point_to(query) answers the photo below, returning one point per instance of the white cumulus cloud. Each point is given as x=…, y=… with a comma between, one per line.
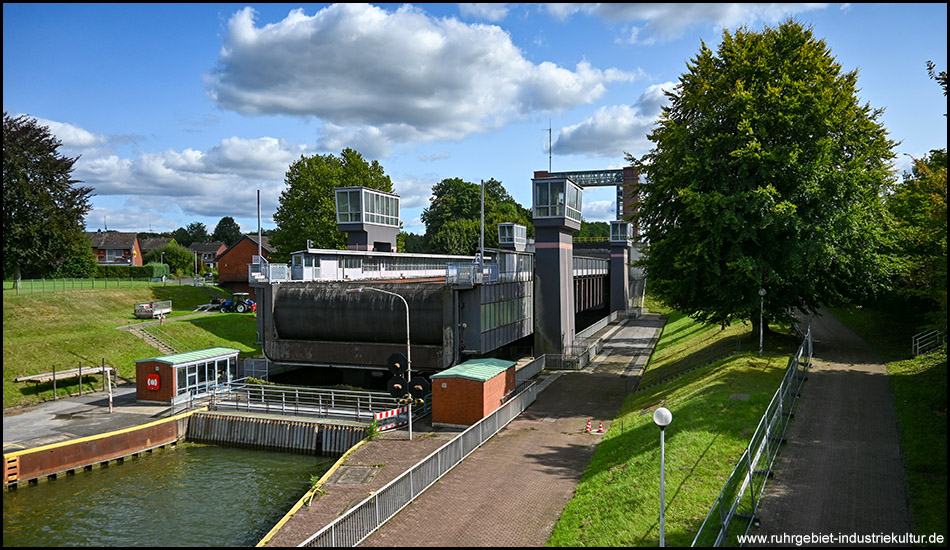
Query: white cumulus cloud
x=72, y=137
x=660, y=22
x=489, y=12
x=379, y=78
x=615, y=130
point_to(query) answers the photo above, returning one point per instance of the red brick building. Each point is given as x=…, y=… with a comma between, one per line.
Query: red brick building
x=233, y=262
x=114, y=248
x=466, y=393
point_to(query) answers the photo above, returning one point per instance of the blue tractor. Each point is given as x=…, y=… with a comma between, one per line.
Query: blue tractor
x=240, y=302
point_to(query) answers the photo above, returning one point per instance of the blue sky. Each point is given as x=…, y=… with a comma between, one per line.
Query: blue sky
x=180, y=113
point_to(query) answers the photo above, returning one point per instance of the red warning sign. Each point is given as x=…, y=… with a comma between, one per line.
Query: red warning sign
x=153, y=382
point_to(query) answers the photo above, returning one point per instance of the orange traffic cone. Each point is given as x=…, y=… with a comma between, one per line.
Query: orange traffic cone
x=600, y=430
x=587, y=430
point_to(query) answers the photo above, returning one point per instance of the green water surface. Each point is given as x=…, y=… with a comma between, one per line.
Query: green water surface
x=189, y=495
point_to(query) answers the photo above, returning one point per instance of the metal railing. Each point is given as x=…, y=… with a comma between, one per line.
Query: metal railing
x=360, y=406
x=740, y=496
x=261, y=270
x=469, y=274
x=363, y=519
x=530, y=370
x=590, y=266
x=926, y=341
x=64, y=285
x=166, y=339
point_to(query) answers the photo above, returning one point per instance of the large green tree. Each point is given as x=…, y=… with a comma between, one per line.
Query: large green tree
x=227, y=231
x=43, y=207
x=919, y=204
x=453, y=217
x=307, y=208
x=179, y=259
x=766, y=173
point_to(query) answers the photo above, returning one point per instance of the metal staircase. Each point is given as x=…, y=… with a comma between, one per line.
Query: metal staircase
x=153, y=341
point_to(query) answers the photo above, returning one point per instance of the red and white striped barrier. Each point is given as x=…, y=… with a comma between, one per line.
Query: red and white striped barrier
x=388, y=420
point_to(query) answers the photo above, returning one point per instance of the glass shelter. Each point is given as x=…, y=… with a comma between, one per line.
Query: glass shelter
x=557, y=198
x=621, y=232
x=182, y=376
x=512, y=236
x=364, y=205
x=370, y=218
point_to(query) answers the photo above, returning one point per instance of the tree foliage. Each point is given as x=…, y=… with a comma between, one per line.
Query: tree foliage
x=43, y=207
x=593, y=230
x=307, y=208
x=227, y=231
x=766, y=173
x=453, y=217
x=197, y=233
x=919, y=204
x=179, y=259
x=940, y=77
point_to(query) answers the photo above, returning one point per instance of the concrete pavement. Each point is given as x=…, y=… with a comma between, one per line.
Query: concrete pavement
x=75, y=417
x=512, y=490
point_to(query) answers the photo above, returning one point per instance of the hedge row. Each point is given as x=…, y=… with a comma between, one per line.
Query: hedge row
x=147, y=271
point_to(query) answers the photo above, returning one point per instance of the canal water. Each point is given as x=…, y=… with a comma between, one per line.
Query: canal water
x=189, y=495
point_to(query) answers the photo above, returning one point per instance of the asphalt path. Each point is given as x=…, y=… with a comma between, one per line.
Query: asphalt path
x=840, y=472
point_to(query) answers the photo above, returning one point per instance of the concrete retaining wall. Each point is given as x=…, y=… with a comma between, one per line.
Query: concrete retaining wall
x=273, y=434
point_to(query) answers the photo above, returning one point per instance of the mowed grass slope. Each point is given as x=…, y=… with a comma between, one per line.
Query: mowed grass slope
x=716, y=407
x=715, y=412
x=65, y=328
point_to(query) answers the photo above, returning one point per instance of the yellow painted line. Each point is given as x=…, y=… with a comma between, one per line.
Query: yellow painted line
x=99, y=436
x=307, y=496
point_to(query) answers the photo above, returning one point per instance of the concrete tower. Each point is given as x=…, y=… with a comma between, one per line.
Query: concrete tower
x=557, y=215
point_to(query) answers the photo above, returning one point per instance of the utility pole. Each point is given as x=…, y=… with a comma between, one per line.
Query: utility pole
x=481, y=241
x=550, y=147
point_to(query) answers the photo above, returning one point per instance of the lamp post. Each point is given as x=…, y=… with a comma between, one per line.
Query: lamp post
x=761, y=316
x=662, y=417
x=408, y=350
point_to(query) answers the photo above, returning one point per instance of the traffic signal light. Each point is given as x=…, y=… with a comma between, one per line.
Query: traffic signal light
x=397, y=364
x=397, y=387
x=419, y=387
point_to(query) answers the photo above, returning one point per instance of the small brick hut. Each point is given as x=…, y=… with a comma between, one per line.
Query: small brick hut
x=466, y=393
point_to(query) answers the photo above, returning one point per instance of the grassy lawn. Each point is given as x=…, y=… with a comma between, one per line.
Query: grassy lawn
x=685, y=345
x=617, y=501
x=234, y=330
x=920, y=397
x=41, y=330
x=716, y=406
x=920, y=400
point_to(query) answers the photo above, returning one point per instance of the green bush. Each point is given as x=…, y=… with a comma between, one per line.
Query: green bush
x=152, y=270
x=112, y=272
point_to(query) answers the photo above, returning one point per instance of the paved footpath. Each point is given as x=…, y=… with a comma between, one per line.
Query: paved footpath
x=841, y=470
x=512, y=490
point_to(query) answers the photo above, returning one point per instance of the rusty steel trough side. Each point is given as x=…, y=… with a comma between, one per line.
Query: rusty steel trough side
x=31, y=465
